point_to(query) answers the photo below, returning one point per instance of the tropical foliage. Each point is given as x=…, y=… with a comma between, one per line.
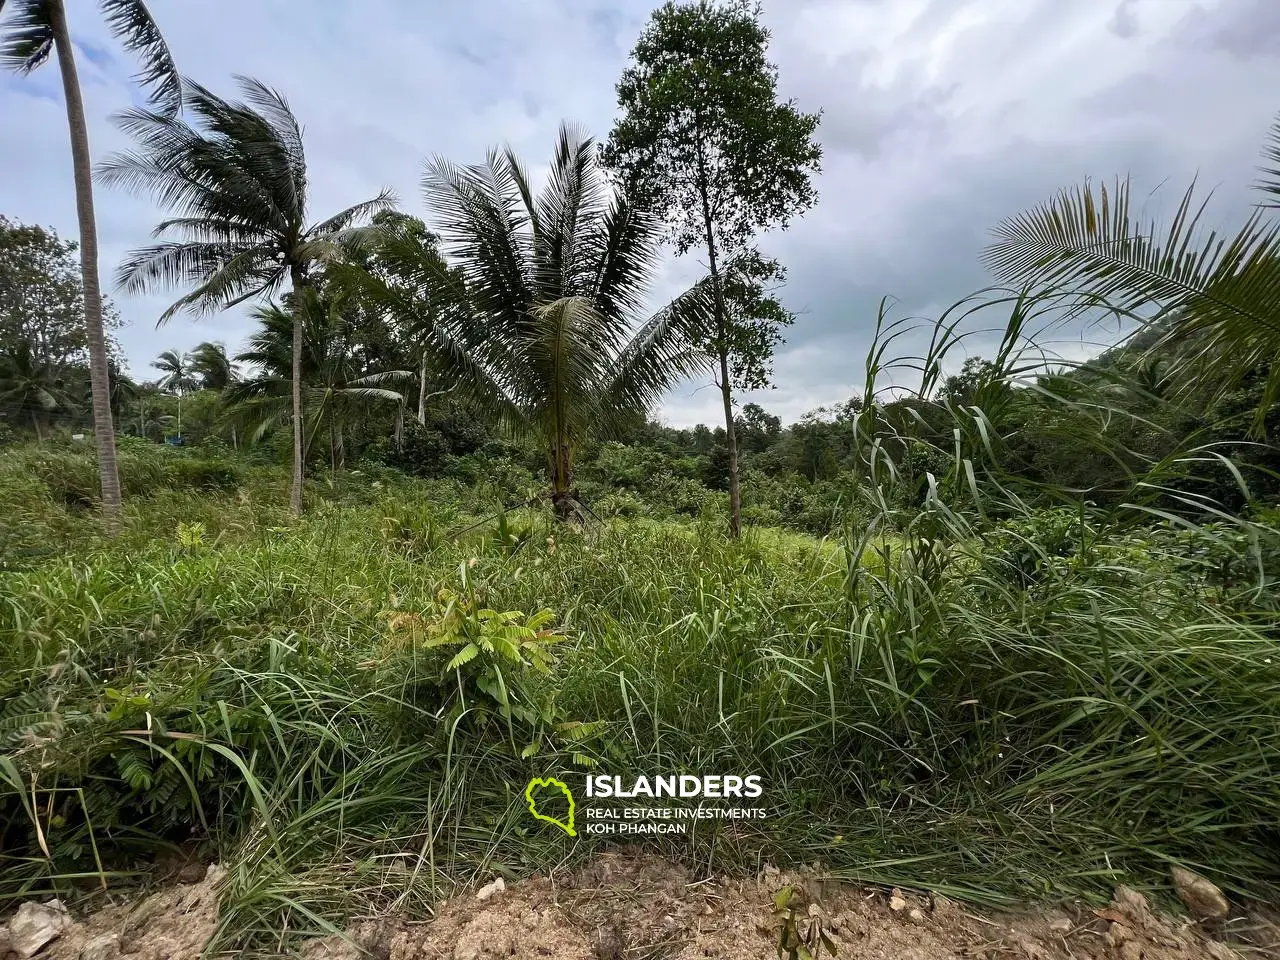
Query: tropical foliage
x=986, y=602
x=555, y=341
x=30, y=31
x=236, y=180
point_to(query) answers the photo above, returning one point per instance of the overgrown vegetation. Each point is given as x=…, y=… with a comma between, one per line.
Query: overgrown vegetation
x=1002, y=628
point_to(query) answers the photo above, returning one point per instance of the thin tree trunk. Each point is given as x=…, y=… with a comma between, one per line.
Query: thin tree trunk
x=722, y=351
x=99, y=372
x=399, y=427
x=422, y=391
x=563, y=496
x=35, y=422
x=295, y=493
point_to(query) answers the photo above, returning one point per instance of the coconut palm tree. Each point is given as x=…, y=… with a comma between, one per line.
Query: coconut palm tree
x=178, y=377
x=1218, y=295
x=334, y=388
x=33, y=388
x=554, y=338
x=399, y=270
x=236, y=182
x=211, y=365
x=30, y=30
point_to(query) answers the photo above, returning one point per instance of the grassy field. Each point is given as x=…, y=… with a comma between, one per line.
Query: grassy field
x=1058, y=703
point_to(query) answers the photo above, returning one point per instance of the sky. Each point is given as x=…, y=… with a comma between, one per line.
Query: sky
x=939, y=118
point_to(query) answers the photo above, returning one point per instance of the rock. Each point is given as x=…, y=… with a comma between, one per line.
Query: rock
x=916, y=915
x=37, y=924
x=4, y=940
x=897, y=902
x=105, y=946
x=1118, y=933
x=1061, y=925
x=1131, y=903
x=192, y=872
x=489, y=889
x=1203, y=898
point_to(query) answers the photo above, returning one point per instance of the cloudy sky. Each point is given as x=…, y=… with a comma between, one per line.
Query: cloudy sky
x=940, y=117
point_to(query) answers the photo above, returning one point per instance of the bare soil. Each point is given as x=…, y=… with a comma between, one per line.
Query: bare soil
x=628, y=907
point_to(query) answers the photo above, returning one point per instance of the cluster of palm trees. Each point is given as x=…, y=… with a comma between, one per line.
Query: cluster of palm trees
x=537, y=318
x=536, y=305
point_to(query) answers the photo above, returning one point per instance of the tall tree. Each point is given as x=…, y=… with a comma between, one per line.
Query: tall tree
x=704, y=137
x=42, y=296
x=177, y=376
x=31, y=31
x=552, y=333
x=237, y=182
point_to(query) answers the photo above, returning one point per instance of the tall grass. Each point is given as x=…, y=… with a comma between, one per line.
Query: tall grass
x=971, y=691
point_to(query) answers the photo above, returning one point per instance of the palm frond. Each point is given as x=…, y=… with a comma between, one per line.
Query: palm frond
x=481, y=219
x=1270, y=182
x=385, y=200
x=573, y=194
x=28, y=37
x=1219, y=291
x=131, y=23
x=660, y=354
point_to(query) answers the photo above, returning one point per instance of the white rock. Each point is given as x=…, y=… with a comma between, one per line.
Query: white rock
x=489, y=889
x=897, y=902
x=37, y=924
x=1061, y=925
x=1202, y=897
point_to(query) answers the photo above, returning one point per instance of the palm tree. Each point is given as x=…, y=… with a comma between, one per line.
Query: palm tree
x=403, y=274
x=555, y=284
x=177, y=377
x=334, y=388
x=33, y=30
x=212, y=367
x=1217, y=295
x=33, y=387
x=237, y=184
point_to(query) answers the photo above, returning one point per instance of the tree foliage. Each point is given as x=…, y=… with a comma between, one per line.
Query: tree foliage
x=555, y=342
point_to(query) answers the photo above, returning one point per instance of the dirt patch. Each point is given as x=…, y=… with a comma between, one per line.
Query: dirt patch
x=173, y=924
x=622, y=907
x=627, y=907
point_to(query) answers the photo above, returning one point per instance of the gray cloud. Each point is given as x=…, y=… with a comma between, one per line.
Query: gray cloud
x=940, y=118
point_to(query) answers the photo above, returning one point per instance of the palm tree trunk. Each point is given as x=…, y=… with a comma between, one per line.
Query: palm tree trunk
x=422, y=391
x=722, y=351
x=35, y=422
x=99, y=375
x=563, y=496
x=295, y=493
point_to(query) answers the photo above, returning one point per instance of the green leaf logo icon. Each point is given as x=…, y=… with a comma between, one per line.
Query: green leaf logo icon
x=546, y=784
